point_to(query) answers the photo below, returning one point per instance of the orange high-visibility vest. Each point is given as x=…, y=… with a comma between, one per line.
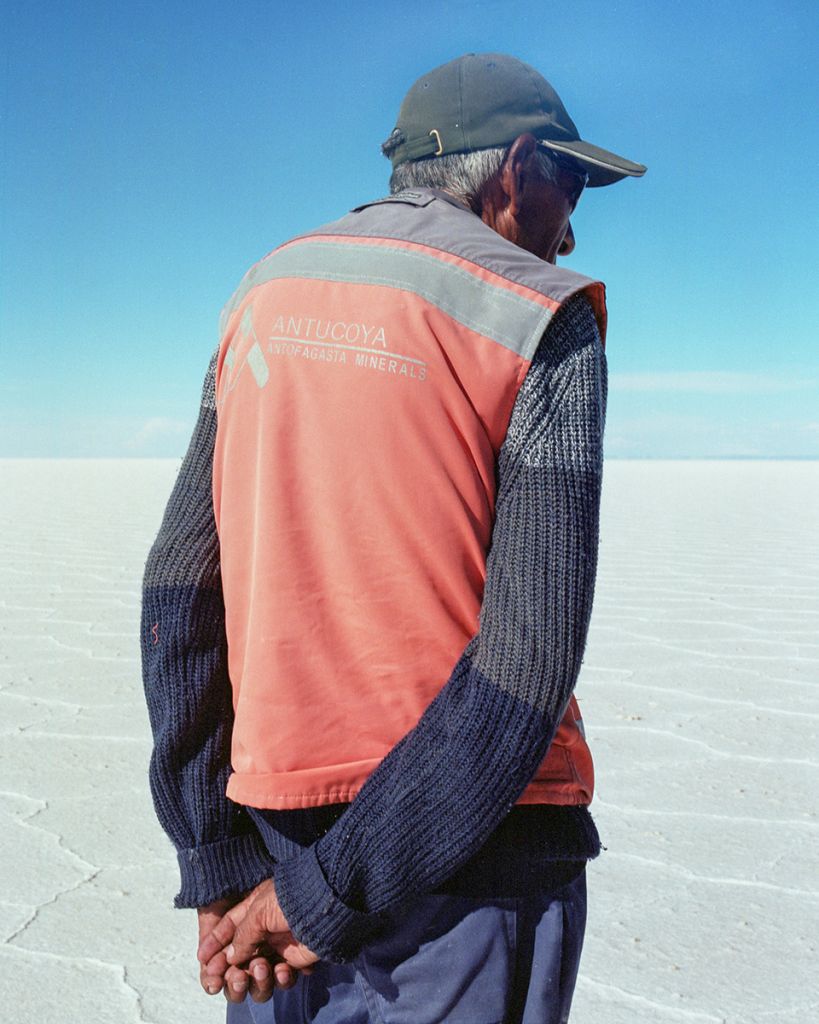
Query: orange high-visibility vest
x=365, y=383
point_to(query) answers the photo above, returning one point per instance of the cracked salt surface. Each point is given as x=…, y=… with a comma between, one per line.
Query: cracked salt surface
x=700, y=692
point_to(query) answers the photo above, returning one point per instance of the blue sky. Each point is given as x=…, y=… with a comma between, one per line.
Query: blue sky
x=152, y=151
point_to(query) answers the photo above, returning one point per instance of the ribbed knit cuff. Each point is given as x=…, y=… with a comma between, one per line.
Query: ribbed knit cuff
x=227, y=868
x=317, y=917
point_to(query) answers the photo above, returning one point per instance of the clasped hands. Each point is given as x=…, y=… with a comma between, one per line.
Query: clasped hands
x=247, y=948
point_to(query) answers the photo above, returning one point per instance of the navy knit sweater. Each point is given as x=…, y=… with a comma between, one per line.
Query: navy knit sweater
x=438, y=813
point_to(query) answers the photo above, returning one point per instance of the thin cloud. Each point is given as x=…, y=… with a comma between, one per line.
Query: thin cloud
x=671, y=435
x=158, y=429
x=712, y=382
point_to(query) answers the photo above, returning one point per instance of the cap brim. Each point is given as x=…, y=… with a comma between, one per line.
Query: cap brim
x=603, y=167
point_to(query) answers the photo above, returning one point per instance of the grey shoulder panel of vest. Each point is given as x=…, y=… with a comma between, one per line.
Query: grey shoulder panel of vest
x=443, y=223
x=493, y=311
x=407, y=197
x=440, y=225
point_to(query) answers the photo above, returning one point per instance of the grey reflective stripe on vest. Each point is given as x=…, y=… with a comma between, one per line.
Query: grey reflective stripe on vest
x=512, y=320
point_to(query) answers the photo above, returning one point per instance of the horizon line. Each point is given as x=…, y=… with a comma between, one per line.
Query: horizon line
x=607, y=458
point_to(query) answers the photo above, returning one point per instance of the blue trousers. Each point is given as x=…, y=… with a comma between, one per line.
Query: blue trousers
x=448, y=960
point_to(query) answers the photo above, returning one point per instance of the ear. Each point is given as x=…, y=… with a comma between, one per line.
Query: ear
x=516, y=170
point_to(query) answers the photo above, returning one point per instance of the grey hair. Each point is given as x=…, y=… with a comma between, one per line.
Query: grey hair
x=463, y=175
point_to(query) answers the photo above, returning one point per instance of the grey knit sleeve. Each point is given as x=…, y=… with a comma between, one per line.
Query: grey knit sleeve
x=443, y=789
x=550, y=475
x=184, y=669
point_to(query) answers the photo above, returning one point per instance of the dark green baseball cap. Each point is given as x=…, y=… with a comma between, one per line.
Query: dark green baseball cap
x=482, y=100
